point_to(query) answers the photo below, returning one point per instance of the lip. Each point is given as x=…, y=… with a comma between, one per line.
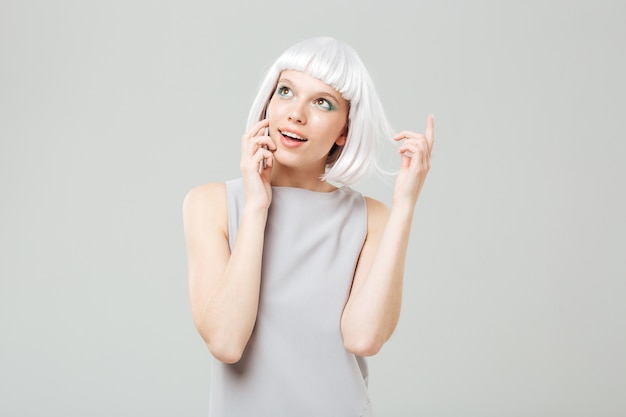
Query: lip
x=287, y=141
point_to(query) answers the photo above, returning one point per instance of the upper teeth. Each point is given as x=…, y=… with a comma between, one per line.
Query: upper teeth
x=293, y=135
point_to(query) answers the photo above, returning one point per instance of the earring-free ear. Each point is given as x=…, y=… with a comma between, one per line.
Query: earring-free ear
x=341, y=140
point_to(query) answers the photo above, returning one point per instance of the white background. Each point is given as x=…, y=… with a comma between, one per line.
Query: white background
x=110, y=111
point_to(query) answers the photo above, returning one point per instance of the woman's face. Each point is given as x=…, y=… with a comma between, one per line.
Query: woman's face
x=306, y=118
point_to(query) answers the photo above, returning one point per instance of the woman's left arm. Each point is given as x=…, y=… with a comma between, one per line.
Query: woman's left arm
x=373, y=308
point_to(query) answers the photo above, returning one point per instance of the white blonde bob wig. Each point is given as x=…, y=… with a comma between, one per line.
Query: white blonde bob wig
x=338, y=65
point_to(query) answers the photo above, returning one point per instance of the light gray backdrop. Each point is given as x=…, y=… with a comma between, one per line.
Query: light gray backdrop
x=515, y=287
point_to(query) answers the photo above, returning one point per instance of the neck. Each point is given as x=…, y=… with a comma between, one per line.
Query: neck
x=288, y=177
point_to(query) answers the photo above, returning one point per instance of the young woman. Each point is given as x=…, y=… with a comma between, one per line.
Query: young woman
x=293, y=279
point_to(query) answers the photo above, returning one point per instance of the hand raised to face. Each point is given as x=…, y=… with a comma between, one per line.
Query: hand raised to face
x=257, y=159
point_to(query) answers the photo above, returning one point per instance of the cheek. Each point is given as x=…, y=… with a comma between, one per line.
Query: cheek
x=335, y=126
x=275, y=111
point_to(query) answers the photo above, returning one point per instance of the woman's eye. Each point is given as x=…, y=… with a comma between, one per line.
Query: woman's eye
x=283, y=91
x=323, y=103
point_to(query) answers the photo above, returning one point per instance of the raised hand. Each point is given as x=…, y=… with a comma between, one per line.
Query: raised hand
x=415, y=151
x=257, y=159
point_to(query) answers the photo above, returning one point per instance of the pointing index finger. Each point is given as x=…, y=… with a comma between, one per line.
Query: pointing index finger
x=430, y=131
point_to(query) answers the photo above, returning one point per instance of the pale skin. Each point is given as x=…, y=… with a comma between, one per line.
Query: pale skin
x=225, y=284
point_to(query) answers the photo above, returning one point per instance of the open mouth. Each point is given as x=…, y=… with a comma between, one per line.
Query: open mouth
x=292, y=136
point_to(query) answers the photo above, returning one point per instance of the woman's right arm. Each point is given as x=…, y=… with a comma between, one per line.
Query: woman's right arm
x=224, y=285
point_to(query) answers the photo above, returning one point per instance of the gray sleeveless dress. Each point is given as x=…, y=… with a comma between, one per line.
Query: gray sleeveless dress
x=295, y=363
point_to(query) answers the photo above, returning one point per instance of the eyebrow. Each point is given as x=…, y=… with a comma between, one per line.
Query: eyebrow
x=321, y=93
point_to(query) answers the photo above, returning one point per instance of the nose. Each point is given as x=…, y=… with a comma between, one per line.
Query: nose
x=297, y=113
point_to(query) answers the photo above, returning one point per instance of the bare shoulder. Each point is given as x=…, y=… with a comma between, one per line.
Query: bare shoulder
x=377, y=213
x=206, y=205
x=206, y=194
